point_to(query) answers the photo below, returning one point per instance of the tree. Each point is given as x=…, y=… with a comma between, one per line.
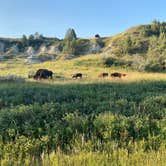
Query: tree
x=127, y=45
x=70, y=46
x=38, y=36
x=31, y=40
x=155, y=27
x=70, y=34
x=24, y=40
x=31, y=37
x=70, y=42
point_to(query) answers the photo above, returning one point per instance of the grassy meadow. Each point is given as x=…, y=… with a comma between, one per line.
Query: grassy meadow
x=90, y=65
x=90, y=122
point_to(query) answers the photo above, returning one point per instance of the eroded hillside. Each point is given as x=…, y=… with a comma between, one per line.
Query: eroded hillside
x=142, y=47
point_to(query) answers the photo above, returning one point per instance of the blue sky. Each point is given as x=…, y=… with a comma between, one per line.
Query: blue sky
x=87, y=17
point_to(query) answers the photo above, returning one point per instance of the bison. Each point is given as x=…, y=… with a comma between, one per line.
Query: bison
x=116, y=74
x=43, y=74
x=103, y=75
x=77, y=75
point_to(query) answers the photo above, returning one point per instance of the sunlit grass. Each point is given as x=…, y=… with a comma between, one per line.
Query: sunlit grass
x=117, y=158
x=65, y=69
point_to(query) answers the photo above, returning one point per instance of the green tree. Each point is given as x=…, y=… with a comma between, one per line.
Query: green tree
x=24, y=40
x=70, y=42
x=70, y=34
x=127, y=45
x=31, y=40
x=155, y=27
x=70, y=46
x=31, y=37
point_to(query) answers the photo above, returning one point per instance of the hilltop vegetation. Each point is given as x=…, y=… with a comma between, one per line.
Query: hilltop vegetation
x=141, y=48
x=44, y=46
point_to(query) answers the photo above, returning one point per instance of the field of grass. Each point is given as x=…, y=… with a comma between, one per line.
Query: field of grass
x=90, y=122
x=119, y=157
x=91, y=66
x=77, y=124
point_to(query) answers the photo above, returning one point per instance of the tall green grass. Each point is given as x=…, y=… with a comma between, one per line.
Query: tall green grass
x=83, y=124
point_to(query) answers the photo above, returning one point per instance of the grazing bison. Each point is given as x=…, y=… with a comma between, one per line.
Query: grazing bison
x=116, y=74
x=43, y=74
x=103, y=75
x=77, y=75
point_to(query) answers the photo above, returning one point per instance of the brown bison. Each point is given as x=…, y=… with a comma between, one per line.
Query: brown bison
x=43, y=74
x=103, y=75
x=77, y=75
x=116, y=74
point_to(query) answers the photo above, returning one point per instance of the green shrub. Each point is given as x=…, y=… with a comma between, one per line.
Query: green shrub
x=109, y=62
x=103, y=118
